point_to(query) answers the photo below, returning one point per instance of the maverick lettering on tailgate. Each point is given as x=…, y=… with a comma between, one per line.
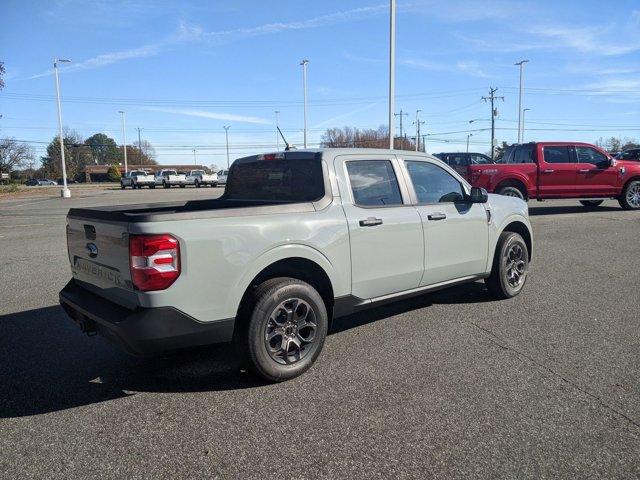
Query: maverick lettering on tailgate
x=103, y=272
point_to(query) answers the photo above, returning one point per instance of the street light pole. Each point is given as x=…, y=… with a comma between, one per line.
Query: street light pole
x=392, y=68
x=417, y=130
x=521, y=64
x=124, y=139
x=139, y=144
x=469, y=135
x=195, y=160
x=277, y=135
x=226, y=134
x=65, y=192
x=304, y=88
x=523, y=112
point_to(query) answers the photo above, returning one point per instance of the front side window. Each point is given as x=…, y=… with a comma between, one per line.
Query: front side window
x=590, y=155
x=479, y=159
x=458, y=160
x=434, y=184
x=374, y=183
x=553, y=154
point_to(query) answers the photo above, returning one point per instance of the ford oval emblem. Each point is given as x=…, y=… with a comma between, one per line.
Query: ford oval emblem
x=92, y=249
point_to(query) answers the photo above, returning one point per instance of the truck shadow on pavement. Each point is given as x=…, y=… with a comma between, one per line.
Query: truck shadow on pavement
x=559, y=210
x=47, y=364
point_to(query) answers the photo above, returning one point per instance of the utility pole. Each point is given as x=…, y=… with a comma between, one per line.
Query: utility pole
x=226, y=134
x=521, y=64
x=523, y=112
x=277, y=134
x=424, y=143
x=392, y=68
x=139, y=144
x=304, y=88
x=65, y=192
x=494, y=114
x=469, y=135
x=417, y=123
x=124, y=139
x=401, y=114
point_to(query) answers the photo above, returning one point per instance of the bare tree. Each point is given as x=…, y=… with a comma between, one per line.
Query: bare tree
x=350, y=137
x=14, y=154
x=2, y=72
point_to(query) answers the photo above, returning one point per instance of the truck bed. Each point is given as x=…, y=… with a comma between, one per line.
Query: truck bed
x=209, y=208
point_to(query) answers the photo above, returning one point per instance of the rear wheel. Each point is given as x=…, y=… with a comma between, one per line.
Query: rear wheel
x=511, y=191
x=510, y=266
x=286, y=329
x=122, y=185
x=152, y=186
x=591, y=203
x=630, y=198
x=165, y=184
x=182, y=185
x=197, y=184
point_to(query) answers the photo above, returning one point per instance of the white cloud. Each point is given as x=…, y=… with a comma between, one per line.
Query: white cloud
x=211, y=115
x=596, y=40
x=468, y=67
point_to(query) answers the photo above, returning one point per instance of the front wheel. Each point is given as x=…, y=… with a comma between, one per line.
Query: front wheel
x=630, y=199
x=165, y=184
x=197, y=184
x=122, y=185
x=182, y=185
x=152, y=186
x=591, y=203
x=286, y=330
x=510, y=266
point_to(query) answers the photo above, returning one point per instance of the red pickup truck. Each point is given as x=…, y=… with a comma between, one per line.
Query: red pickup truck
x=545, y=170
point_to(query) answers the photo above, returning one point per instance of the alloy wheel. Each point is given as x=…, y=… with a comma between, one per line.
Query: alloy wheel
x=290, y=331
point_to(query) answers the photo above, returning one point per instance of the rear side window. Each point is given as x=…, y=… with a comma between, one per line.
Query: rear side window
x=553, y=154
x=285, y=180
x=374, y=183
x=434, y=184
x=522, y=154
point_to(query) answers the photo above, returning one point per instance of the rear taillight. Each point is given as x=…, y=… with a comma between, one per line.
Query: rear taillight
x=154, y=261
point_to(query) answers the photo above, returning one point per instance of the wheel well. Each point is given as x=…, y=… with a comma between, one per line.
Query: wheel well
x=512, y=182
x=296, y=267
x=521, y=229
x=628, y=182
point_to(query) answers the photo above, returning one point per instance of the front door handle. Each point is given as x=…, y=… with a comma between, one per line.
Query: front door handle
x=436, y=216
x=548, y=170
x=370, y=222
x=585, y=170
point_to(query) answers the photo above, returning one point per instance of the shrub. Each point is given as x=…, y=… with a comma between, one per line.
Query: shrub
x=114, y=173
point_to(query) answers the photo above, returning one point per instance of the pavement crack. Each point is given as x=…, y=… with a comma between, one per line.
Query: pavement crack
x=499, y=342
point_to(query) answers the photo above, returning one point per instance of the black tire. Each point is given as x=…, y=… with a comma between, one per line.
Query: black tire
x=182, y=185
x=499, y=283
x=510, y=191
x=591, y=203
x=270, y=301
x=630, y=198
x=152, y=186
x=122, y=185
x=165, y=184
x=197, y=184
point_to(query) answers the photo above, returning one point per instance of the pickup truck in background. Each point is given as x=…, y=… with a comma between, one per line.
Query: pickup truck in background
x=168, y=178
x=297, y=239
x=201, y=178
x=546, y=170
x=222, y=177
x=137, y=179
x=461, y=162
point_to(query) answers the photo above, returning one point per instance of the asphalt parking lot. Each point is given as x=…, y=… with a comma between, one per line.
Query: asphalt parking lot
x=451, y=384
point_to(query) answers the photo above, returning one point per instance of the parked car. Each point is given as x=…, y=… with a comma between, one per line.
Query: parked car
x=222, y=177
x=633, y=154
x=546, y=170
x=39, y=182
x=200, y=178
x=461, y=162
x=168, y=178
x=298, y=238
x=137, y=179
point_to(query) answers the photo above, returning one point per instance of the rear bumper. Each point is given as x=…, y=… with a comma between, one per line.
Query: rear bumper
x=141, y=331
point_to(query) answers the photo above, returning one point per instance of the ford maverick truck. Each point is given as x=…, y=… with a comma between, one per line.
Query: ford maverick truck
x=297, y=239
x=200, y=178
x=546, y=170
x=168, y=178
x=137, y=179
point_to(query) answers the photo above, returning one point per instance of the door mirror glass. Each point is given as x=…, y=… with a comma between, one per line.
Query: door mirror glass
x=478, y=195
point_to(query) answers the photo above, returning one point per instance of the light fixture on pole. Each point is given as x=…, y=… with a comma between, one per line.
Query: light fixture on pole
x=124, y=139
x=521, y=64
x=65, y=192
x=226, y=134
x=304, y=89
x=277, y=112
x=469, y=135
x=392, y=68
x=523, y=112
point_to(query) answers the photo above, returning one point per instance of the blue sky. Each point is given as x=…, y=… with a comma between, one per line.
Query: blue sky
x=183, y=70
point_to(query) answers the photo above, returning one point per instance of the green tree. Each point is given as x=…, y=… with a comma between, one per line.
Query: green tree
x=114, y=173
x=104, y=149
x=77, y=156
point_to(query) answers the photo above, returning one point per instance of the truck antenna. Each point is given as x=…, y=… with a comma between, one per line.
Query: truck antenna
x=288, y=147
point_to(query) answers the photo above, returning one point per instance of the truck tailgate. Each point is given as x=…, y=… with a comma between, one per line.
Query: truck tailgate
x=99, y=257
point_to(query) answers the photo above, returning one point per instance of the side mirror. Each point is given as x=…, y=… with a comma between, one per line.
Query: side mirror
x=478, y=195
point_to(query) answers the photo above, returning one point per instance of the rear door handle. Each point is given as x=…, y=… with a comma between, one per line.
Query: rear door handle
x=436, y=216
x=548, y=170
x=586, y=170
x=370, y=222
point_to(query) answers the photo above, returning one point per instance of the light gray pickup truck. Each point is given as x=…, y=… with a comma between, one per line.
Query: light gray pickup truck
x=298, y=239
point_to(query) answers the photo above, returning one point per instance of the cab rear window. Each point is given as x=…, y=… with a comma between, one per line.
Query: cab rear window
x=283, y=180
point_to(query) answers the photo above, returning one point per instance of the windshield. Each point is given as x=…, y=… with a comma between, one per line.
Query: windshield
x=285, y=180
x=197, y=172
x=170, y=172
